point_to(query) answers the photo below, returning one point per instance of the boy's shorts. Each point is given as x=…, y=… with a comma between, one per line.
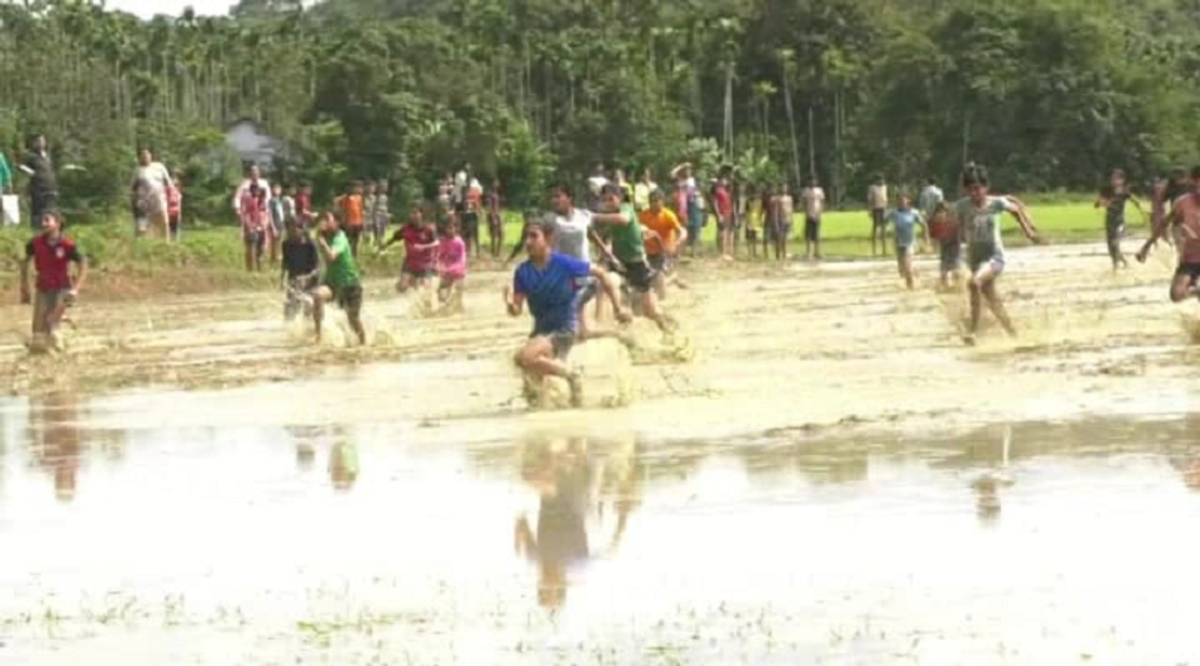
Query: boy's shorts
x=950, y=256
x=977, y=257
x=639, y=276
x=812, y=228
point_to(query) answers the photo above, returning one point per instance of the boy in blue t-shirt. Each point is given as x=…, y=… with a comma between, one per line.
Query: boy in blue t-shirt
x=905, y=220
x=548, y=283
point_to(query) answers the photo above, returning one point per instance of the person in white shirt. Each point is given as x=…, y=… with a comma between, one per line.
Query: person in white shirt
x=877, y=203
x=596, y=182
x=642, y=191
x=253, y=176
x=151, y=180
x=814, y=205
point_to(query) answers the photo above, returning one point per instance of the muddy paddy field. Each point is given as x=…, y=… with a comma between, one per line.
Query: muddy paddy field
x=818, y=471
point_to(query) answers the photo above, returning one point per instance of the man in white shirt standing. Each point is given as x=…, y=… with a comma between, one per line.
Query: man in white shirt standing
x=877, y=203
x=596, y=183
x=814, y=205
x=151, y=180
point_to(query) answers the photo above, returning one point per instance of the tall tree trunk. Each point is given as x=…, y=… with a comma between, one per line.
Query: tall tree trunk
x=728, y=119
x=787, y=100
x=812, y=145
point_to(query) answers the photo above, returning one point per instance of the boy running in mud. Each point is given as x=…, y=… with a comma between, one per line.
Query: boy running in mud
x=1184, y=215
x=52, y=254
x=343, y=280
x=420, y=250
x=629, y=249
x=1112, y=198
x=299, y=271
x=663, y=234
x=978, y=216
x=452, y=266
x=944, y=231
x=548, y=282
x=905, y=220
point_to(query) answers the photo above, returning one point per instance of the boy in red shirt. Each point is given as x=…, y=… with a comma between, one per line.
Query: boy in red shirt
x=52, y=255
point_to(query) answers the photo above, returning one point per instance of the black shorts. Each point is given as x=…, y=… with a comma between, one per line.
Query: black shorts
x=751, y=234
x=812, y=228
x=878, y=218
x=639, y=276
x=470, y=225
x=1192, y=270
x=349, y=299
x=659, y=263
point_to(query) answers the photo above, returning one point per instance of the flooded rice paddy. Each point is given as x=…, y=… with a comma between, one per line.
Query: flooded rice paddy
x=827, y=476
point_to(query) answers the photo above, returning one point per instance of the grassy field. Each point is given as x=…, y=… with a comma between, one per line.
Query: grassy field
x=211, y=257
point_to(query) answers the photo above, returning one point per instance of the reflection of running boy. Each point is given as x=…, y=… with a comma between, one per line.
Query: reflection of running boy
x=904, y=220
x=548, y=282
x=52, y=255
x=343, y=281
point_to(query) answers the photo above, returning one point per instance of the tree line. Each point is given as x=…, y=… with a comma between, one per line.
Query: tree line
x=1050, y=94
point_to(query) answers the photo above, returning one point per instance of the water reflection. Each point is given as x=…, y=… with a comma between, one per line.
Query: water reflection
x=343, y=465
x=54, y=440
x=570, y=478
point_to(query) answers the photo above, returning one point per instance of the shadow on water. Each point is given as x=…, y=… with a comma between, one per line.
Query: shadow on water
x=272, y=543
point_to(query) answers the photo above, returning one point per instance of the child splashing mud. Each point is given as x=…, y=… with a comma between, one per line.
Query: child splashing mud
x=52, y=255
x=629, y=250
x=420, y=250
x=343, y=280
x=978, y=215
x=452, y=267
x=1185, y=215
x=1112, y=198
x=944, y=231
x=905, y=220
x=548, y=282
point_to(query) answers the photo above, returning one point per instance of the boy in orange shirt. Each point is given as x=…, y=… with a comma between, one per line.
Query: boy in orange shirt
x=664, y=233
x=350, y=207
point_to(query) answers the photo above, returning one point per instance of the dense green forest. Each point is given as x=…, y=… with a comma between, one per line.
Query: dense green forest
x=1050, y=94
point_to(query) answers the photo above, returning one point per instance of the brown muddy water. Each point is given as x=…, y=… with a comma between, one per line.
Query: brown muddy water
x=817, y=472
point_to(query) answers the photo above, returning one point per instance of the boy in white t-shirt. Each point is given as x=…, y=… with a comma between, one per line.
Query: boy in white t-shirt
x=814, y=204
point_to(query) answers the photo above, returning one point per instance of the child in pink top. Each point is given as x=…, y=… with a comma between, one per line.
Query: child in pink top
x=452, y=262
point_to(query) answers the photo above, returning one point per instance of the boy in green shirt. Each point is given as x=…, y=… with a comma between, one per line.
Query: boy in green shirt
x=342, y=282
x=629, y=249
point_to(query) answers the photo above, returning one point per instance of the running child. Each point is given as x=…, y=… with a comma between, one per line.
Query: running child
x=978, y=216
x=1112, y=198
x=1184, y=215
x=420, y=250
x=664, y=233
x=629, y=249
x=944, y=232
x=350, y=210
x=548, y=282
x=299, y=270
x=252, y=210
x=343, y=280
x=905, y=219
x=55, y=289
x=452, y=266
